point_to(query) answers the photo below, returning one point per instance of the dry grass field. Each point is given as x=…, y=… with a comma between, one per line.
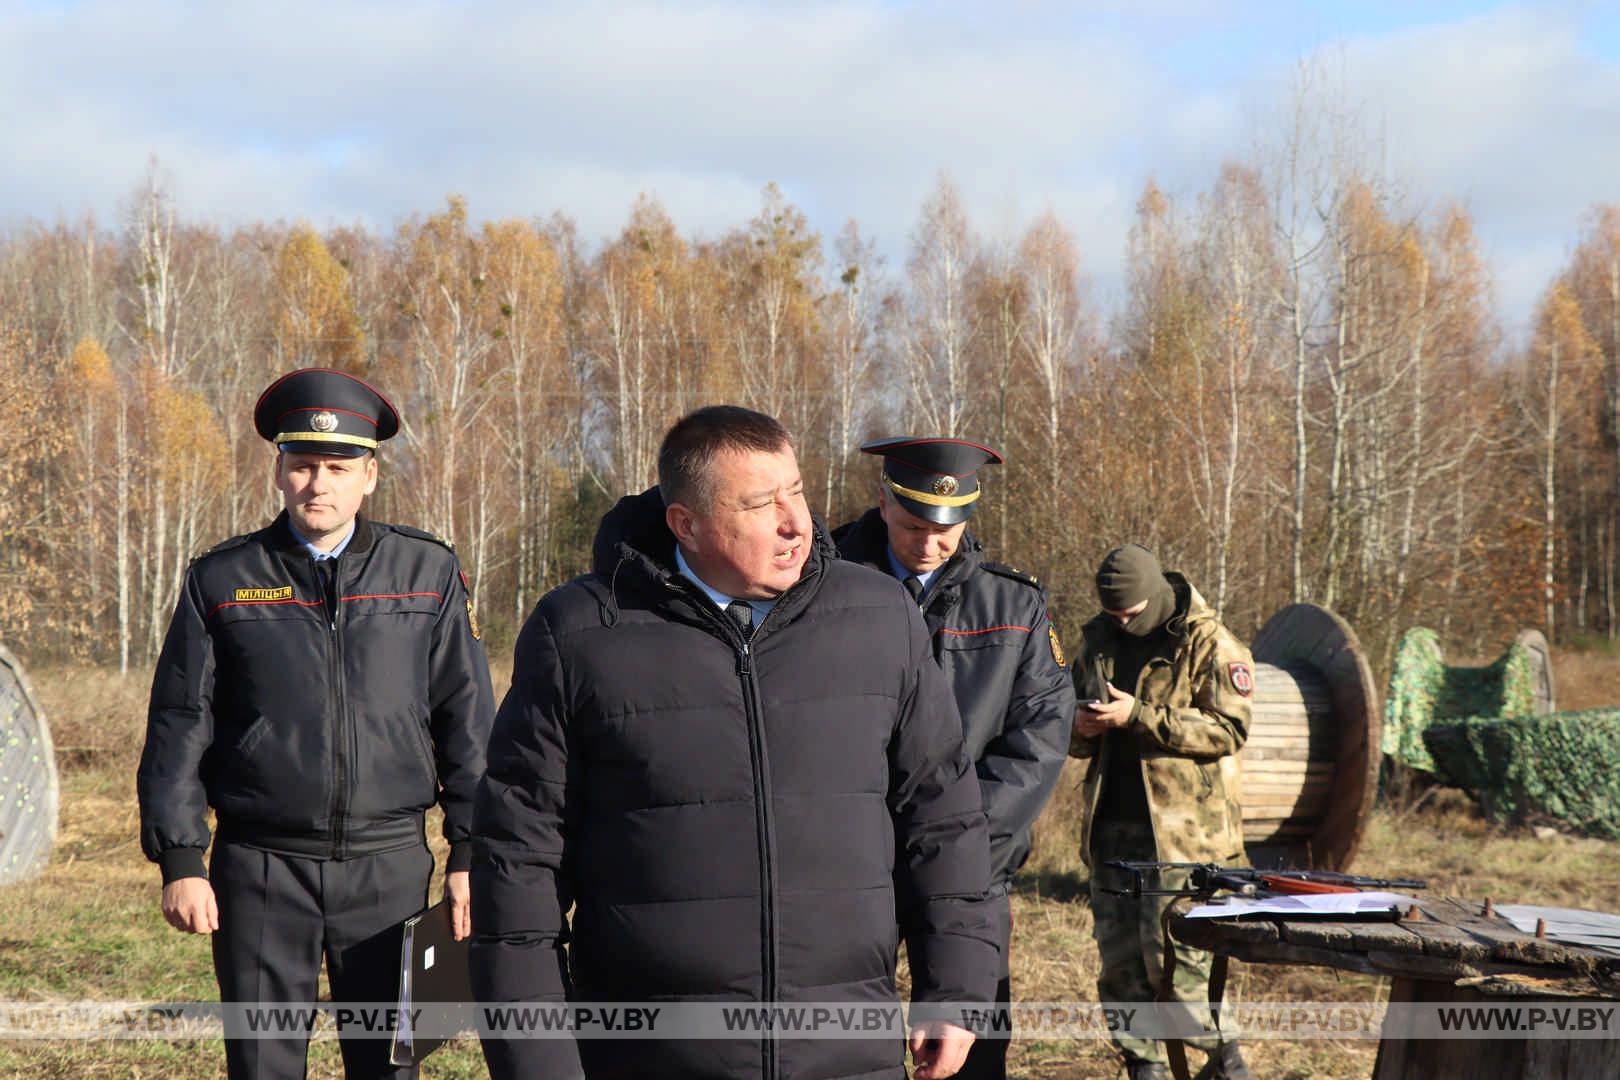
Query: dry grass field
x=89, y=928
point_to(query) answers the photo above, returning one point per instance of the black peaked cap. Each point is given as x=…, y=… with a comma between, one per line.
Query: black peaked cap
x=933, y=477
x=321, y=411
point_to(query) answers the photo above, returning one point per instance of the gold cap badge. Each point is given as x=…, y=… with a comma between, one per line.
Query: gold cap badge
x=946, y=485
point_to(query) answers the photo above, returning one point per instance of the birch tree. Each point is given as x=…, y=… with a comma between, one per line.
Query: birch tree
x=527, y=286
x=1553, y=380
x=1594, y=277
x=315, y=324
x=1240, y=273
x=941, y=328
x=159, y=280
x=444, y=376
x=854, y=310
x=771, y=310
x=1056, y=327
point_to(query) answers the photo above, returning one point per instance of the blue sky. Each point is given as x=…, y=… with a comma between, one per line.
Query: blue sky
x=340, y=112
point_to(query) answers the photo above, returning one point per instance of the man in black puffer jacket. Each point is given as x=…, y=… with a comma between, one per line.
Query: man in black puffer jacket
x=733, y=755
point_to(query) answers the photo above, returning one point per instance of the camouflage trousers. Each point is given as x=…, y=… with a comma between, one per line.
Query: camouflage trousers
x=1130, y=936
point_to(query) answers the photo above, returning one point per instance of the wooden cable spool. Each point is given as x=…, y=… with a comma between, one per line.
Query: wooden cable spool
x=28, y=789
x=1310, y=765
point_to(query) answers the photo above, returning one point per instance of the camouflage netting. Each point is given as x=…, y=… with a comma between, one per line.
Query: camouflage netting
x=1561, y=765
x=1423, y=691
x=28, y=788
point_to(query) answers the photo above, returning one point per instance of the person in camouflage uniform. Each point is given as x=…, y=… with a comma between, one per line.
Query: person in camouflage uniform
x=1169, y=691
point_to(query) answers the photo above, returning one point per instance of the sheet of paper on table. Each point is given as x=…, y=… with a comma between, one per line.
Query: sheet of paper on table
x=1597, y=929
x=1329, y=905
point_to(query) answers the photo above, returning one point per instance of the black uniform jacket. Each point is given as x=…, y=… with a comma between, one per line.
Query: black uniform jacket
x=311, y=728
x=730, y=820
x=990, y=631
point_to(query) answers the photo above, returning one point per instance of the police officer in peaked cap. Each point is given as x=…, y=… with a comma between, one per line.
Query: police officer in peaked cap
x=992, y=635
x=934, y=479
x=321, y=686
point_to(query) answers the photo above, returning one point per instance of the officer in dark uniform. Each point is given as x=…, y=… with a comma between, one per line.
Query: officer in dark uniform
x=320, y=687
x=992, y=635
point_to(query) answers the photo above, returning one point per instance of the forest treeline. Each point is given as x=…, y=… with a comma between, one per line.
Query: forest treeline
x=1303, y=395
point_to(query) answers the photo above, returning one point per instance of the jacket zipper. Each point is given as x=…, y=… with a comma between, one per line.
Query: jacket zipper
x=1147, y=792
x=340, y=714
x=767, y=845
x=754, y=720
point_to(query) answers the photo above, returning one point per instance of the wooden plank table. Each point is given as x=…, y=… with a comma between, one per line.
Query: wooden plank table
x=1448, y=951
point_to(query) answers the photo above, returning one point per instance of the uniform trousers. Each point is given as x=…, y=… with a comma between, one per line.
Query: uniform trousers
x=280, y=914
x=1130, y=937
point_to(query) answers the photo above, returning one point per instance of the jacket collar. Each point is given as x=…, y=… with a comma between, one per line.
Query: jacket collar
x=279, y=535
x=634, y=554
x=866, y=541
x=1190, y=608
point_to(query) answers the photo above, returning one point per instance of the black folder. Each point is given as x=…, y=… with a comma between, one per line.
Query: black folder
x=432, y=968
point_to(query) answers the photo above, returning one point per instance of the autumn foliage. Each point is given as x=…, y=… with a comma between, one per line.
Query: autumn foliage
x=1287, y=405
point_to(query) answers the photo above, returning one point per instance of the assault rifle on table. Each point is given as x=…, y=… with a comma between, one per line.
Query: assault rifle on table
x=1207, y=879
x=1203, y=882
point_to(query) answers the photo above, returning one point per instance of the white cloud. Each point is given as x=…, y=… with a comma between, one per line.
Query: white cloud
x=1509, y=115
x=371, y=112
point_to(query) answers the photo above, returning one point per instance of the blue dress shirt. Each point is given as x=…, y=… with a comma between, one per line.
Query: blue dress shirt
x=902, y=573
x=761, y=608
x=316, y=553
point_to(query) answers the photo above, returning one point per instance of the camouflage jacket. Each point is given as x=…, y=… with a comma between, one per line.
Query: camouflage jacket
x=1192, y=716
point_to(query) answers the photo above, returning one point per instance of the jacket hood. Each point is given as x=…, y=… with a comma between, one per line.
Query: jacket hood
x=1191, y=606
x=634, y=531
x=634, y=549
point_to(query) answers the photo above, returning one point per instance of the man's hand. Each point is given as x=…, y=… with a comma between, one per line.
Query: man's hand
x=938, y=1049
x=458, y=891
x=188, y=904
x=1092, y=720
